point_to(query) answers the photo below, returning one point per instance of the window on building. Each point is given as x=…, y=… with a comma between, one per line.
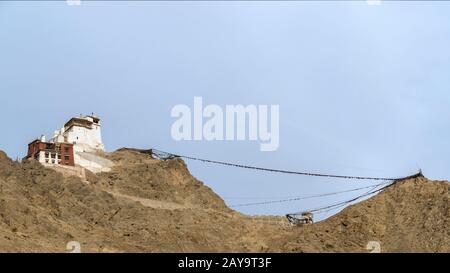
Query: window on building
x=66, y=149
x=66, y=158
x=59, y=156
x=53, y=161
x=47, y=154
x=46, y=161
x=53, y=156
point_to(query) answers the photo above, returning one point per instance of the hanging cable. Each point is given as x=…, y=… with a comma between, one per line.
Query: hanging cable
x=345, y=202
x=304, y=197
x=171, y=155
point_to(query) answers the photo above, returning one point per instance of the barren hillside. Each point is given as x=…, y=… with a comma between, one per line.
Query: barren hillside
x=147, y=205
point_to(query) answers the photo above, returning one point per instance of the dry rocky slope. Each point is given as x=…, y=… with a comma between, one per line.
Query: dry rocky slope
x=147, y=205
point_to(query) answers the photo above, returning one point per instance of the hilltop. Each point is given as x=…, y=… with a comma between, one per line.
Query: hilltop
x=149, y=205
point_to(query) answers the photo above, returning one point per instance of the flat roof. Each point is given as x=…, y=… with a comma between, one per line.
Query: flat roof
x=78, y=122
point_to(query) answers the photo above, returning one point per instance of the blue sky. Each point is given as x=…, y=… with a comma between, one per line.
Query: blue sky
x=363, y=90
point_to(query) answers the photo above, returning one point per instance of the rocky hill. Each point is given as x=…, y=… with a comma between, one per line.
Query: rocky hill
x=148, y=205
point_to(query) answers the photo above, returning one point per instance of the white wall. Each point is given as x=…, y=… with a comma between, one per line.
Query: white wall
x=93, y=162
x=85, y=140
x=42, y=159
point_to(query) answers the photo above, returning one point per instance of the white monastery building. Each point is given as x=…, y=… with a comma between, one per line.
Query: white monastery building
x=83, y=132
x=77, y=143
